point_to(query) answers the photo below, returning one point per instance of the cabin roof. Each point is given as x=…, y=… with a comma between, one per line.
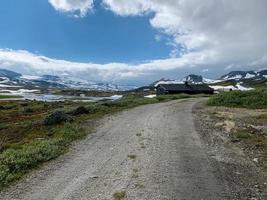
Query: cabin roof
x=184, y=87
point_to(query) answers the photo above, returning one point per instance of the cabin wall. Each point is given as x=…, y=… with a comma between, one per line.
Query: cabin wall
x=160, y=91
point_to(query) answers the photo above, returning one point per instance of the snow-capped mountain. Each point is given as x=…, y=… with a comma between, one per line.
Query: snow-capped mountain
x=198, y=79
x=192, y=78
x=165, y=81
x=12, y=79
x=239, y=75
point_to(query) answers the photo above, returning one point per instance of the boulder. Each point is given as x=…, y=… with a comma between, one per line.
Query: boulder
x=57, y=117
x=79, y=111
x=27, y=110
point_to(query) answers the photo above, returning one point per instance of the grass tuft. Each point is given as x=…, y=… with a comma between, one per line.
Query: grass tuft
x=119, y=195
x=132, y=156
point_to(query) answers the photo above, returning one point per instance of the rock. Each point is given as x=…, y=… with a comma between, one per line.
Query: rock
x=24, y=104
x=57, y=117
x=7, y=107
x=79, y=111
x=256, y=160
x=28, y=110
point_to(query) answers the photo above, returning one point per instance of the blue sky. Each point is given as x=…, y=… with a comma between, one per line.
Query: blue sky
x=132, y=42
x=100, y=37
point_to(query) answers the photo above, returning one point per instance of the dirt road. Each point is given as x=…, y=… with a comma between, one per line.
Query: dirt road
x=151, y=152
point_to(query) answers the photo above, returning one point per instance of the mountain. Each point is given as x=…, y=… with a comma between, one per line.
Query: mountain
x=9, y=74
x=10, y=79
x=263, y=73
x=165, y=81
x=240, y=75
x=236, y=80
x=192, y=78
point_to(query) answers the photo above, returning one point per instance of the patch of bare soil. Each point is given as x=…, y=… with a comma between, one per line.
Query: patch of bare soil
x=236, y=140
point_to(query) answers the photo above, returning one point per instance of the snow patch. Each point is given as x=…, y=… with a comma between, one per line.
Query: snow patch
x=223, y=88
x=29, y=77
x=248, y=75
x=169, y=82
x=242, y=88
x=150, y=96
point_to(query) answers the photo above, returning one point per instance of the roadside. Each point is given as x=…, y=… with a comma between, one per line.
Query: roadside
x=236, y=143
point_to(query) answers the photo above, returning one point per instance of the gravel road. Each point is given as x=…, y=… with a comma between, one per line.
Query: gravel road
x=151, y=152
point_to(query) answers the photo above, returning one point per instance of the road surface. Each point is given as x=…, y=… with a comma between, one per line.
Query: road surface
x=151, y=152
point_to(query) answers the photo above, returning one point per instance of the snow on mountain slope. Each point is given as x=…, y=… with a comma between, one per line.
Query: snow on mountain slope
x=12, y=79
x=168, y=82
x=239, y=75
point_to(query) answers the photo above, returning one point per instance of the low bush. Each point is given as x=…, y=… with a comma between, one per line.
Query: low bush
x=57, y=117
x=246, y=99
x=79, y=111
x=15, y=162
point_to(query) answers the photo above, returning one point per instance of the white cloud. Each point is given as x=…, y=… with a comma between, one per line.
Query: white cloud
x=124, y=7
x=29, y=63
x=72, y=6
x=233, y=31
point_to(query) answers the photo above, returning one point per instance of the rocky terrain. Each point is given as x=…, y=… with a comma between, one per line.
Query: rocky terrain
x=236, y=141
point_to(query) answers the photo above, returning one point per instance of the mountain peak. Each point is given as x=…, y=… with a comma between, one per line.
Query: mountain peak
x=239, y=75
x=193, y=78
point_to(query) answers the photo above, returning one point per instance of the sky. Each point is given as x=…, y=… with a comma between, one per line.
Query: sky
x=132, y=42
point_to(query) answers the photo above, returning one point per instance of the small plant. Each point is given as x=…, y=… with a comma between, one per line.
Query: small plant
x=242, y=135
x=138, y=134
x=132, y=156
x=262, y=117
x=119, y=195
x=135, y=170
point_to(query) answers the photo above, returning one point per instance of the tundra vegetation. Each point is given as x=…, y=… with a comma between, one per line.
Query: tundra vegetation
x=243, y=99
x=33, y=132
x=248, y=114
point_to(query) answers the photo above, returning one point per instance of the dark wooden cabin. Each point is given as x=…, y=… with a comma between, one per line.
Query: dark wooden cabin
x=183, y=88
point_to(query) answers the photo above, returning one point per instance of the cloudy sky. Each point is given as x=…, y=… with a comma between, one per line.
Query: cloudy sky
x=133, y=41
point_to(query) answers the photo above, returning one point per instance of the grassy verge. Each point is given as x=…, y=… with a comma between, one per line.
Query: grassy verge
x=26, y=141
x=244, y=99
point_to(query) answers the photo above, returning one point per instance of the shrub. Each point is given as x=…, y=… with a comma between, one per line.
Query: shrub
x=57, y=118
x=79, y=111
x=119, y=195
x=245, y=99
x=15, y=162
x=28, y=110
